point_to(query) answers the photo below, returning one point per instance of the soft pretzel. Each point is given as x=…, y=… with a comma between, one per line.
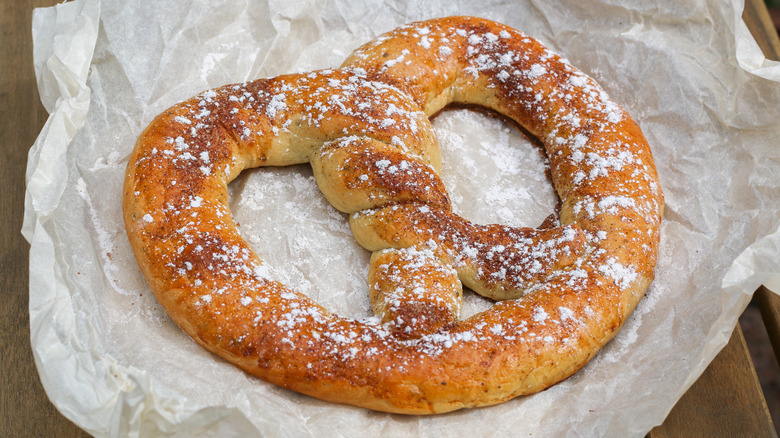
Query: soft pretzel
x=564, y=290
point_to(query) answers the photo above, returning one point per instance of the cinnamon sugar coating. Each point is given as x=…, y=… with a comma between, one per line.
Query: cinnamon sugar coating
x=563, y=291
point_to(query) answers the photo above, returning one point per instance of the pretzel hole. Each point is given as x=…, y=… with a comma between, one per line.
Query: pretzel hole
x=506, y=180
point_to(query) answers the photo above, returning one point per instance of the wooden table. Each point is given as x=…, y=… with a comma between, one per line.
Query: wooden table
x=726, y=400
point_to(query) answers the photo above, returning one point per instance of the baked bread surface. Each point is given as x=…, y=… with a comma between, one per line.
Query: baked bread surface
x=562, y=290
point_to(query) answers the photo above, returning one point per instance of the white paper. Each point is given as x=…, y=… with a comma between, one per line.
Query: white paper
x=112, y=361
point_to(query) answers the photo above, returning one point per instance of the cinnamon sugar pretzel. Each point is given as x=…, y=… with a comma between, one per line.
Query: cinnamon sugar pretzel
x=563, y=291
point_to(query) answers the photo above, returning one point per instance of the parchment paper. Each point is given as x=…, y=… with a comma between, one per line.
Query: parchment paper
x=112, y=361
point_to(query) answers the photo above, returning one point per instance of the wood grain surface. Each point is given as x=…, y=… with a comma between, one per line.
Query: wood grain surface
x=756, y=17
x=769, y=305
x=725, y=401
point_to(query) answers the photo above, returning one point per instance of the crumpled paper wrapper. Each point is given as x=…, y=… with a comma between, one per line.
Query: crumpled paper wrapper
x=112, y=361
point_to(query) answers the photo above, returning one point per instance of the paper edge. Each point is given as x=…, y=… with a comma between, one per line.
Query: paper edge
x=749, y=55
x=741, y=279
x=129, y=403
x=66, y=117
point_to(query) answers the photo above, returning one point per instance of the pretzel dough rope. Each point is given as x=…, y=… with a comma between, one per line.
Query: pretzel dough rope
x=364, y=129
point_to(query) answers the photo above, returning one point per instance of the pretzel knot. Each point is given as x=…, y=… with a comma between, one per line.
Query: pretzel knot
x=564, y=289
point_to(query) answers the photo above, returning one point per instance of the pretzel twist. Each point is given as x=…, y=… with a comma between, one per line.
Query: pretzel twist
x=365, y=130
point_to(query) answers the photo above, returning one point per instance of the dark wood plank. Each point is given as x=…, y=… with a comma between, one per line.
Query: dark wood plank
x=769, y=305
x=26, y=411
x=726, y=401
x=757, y=19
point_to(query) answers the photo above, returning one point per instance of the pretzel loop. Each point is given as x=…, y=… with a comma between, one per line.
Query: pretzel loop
x=565, y=288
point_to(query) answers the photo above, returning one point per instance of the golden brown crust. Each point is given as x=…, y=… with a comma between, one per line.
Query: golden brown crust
x=365, y=129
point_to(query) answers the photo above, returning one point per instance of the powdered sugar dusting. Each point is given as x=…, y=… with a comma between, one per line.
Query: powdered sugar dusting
x=621, y=274
x=286, y=120
x=510, y=188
